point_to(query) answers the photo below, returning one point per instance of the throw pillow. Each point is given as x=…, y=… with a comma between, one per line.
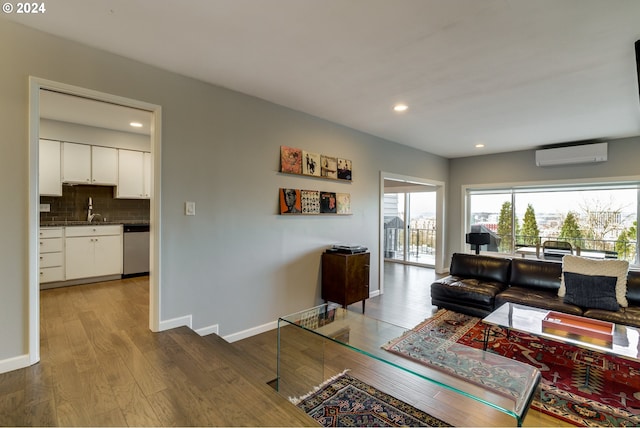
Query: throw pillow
x=584, y=266
x=591, y=291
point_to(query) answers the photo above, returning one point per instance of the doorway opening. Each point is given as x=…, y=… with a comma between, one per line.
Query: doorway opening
x=410, y=225
x=38, y=87
x=411, y=222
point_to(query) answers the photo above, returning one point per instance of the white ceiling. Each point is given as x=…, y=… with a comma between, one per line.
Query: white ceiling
x=73, y=109
x=511, y=74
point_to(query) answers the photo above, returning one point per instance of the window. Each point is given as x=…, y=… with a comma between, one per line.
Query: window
x=598, y=220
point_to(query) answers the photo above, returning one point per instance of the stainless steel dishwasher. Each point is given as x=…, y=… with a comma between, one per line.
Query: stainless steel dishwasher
x=135, y=250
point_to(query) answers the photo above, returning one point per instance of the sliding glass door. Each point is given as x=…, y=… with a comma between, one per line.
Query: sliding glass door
x=410, y=227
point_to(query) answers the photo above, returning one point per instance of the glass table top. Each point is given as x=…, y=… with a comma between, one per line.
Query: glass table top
x=528, y=319
x=367, y=336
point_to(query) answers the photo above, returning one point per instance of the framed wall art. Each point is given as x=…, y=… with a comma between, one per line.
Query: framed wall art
x=310, y=202
x=290, y=160
x=303, y=162
x=311, y=164
x=290, y=202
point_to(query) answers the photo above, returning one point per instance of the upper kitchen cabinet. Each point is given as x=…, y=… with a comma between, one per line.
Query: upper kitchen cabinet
x=76, y=163
x=104, y=165
x=134, y=174
x=147, y=175
x=49, y=176
x=85, y=164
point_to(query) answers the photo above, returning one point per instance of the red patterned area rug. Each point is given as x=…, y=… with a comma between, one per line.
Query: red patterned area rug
x=345, y=401
x=579, y=386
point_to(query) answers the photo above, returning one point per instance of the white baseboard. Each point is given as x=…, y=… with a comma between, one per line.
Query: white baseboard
x=14, y=363
x=234, y=337
x=176, y=322
x=204, y=331
x=374, y=293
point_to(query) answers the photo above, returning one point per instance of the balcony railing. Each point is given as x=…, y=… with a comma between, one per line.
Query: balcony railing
x=422, y=244
x=610, y=248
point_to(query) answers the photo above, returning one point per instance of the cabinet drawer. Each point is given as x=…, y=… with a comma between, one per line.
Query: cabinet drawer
x=51, y=274
x=94, y=230
x=51, y=260
x=51, y=245
x=51, y=232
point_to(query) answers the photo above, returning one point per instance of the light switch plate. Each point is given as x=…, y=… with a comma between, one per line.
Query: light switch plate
x=189, y=208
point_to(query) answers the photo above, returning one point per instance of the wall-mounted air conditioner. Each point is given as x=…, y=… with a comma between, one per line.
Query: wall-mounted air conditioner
x=586, y=153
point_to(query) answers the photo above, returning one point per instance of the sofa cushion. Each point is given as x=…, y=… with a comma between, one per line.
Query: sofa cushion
x=538, y=298
x=625, y=316
x=591, y=291
x=617, y=268
x=536, y=274
x=480, y=267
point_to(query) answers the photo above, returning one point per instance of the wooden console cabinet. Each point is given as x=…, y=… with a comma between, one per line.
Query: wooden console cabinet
x=345, y=278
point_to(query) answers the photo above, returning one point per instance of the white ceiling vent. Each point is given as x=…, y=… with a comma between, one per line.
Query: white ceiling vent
x=587, y=153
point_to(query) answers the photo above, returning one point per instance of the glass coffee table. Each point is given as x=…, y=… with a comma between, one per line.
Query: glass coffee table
x=527, y=319
x=320, y=342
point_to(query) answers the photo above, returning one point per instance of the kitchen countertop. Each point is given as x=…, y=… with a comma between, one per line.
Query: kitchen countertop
x=59, y=223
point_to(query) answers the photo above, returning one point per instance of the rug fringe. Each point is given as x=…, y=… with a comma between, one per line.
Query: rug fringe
x=295, y=400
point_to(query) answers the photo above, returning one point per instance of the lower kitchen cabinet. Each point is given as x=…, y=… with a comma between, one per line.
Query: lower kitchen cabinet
x=51, y=254
x=93, y=251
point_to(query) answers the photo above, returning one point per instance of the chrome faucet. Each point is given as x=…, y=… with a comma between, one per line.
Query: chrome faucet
x=90, y=215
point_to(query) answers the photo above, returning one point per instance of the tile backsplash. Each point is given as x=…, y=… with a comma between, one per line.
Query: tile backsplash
x=72, y=205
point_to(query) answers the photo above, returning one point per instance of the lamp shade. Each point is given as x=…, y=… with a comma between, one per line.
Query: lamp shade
x=478, y=238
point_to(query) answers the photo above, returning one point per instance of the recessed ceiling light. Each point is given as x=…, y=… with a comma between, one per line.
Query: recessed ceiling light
x=400, y=107
x=136, y=124
x=479, y=146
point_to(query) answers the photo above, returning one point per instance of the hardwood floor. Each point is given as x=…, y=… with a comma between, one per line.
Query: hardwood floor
x=101, y=366
x=406, y=302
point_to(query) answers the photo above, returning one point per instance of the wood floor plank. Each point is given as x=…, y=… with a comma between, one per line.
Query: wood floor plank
x=134, y=406
x=82, y=352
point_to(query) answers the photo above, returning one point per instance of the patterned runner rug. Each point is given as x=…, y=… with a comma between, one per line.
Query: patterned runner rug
x=579, y=386
x=345, y=401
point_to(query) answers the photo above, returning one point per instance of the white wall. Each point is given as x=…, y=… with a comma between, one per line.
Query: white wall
x=519, y=167
x=237, y=263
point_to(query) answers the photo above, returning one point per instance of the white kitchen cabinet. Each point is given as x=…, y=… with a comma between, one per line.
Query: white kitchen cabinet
x=147, y=175
x=104, y=165
x=51, y=254
x=76, y=163
x=131, y=174
x=92, y=251
x=49, y=174
x=85, y=164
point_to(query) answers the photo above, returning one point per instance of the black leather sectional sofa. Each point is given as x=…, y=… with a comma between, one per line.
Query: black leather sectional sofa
x=478, y=284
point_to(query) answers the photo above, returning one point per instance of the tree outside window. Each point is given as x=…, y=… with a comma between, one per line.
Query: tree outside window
x=530, y=232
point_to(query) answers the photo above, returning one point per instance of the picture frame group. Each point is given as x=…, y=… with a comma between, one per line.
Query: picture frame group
x=302, y=162
x=309, y=202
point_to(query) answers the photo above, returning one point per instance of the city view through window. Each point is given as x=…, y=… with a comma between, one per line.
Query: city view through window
x=601, y=223
x=410, y=227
